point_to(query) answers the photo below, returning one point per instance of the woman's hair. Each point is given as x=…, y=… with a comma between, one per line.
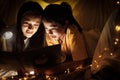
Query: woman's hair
x=60, y=13
x=34, y=9
x=68, y=12
x=54, y=13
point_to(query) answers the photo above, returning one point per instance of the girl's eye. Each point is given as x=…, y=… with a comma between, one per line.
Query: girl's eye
x=25, y=25
x=36, y=25
x=54, y=30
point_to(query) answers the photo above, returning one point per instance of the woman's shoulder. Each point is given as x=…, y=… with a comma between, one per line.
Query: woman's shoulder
x=72, y=29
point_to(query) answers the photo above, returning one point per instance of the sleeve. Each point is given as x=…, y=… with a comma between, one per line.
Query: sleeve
x=76, y=44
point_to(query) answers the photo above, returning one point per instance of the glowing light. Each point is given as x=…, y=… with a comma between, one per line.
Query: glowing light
x=12, y=77
x=118, y=2
x=33, y=76
x=95, y=61
x=20, y=78
x=68, y=70
x=115, y=43
x=90, y=65
x=111, y=54
x=47, y=76
x=32, y=73
x=105, y=49
x=25, y=78
x=55, y=78
x=26, y=74
x=117, y=28
x=116, y=39
x=97, y=66
x=100, y=56
x=3, y=78
x=79, y=67
x=8, y=35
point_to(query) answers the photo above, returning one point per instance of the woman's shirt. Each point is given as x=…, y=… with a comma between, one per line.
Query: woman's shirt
x=72, y=45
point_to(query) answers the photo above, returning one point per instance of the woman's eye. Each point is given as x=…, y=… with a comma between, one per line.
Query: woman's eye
x=25, y=25
x=36, y=25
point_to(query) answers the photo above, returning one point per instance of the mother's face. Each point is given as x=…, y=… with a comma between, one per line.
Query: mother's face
x=30, y=25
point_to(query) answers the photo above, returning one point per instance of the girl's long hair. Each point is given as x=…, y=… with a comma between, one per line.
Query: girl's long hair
x=37, y=39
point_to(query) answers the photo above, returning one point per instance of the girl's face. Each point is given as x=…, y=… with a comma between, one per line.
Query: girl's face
x=54, y=30
x=30, y=25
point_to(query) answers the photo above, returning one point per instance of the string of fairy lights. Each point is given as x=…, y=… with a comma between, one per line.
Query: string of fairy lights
x=107, y=52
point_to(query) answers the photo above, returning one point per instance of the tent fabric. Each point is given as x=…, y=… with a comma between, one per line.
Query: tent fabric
x=89, y=13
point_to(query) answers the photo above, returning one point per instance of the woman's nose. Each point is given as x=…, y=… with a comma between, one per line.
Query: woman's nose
x=49, y=31
x=30, y=26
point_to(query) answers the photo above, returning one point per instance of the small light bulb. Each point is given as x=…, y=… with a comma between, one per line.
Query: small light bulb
x=32, y=73
x=100, y=56
x=111, y=54
x=117, y=28
x=97, y=66
x=115, y=43
x=117, y=39
x=118, y=2
x=8, y=35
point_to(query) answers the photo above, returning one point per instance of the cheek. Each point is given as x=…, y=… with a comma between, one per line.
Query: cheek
x=35, y=30
x=24, y=29
x=57, y=34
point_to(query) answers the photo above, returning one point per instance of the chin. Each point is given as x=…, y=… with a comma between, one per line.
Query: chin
x=28, y=36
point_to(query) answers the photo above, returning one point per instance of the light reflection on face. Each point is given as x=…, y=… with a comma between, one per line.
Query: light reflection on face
x=30, y=25
x=54, y=30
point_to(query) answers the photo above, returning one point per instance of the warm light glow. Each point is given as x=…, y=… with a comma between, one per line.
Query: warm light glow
x=111, y=54
x=3, y=78
x=55, y=78
x=115, y=43
x=26, y=74
x=100, y=56
x=118, y=2
x=25, y=78
x=117, y=28
x=32, y=73
x=97, y=66
x=12, y=77
x=20, y=78
x=91, y=65
x=95, y=61
x=117, y=39
x=33, y=77
x=105, y=49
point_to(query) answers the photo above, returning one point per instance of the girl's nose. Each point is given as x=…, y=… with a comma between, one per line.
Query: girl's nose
x=30, y=26
x=49, y=31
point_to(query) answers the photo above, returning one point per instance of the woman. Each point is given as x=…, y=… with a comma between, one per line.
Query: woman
x=28, y=35
x=60, y=28
x=29, y=27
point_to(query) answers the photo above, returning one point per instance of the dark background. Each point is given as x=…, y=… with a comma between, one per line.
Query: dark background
x=91, y=14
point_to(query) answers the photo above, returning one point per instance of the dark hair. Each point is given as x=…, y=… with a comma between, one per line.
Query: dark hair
x=34, y=9
x=69, y=14
x=60, y=13
x=54, y=13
